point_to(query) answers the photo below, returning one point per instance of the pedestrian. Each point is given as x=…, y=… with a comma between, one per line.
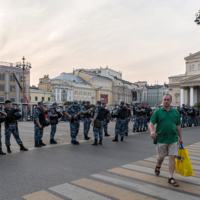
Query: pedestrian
x=166, y=136
x=97, y=122
x=2, y=118
x=121, y=114
x=184, y=116
x=134, y=116
x=11, y=126
x=73, y=113
x=106, y=120
x=138, y=121
x=39, y=122
x=128, y=117
x=53, y=116
x=86, y=119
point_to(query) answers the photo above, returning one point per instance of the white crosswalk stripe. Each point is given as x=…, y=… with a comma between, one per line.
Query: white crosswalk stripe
x=165, y=174
x=198, y=146
x=144, y=187
x=194, y=157
x=194, y=150
x=76, y=193
x=151, y=159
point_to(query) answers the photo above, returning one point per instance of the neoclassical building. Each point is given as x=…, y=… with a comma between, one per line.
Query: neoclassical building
x=185, y=88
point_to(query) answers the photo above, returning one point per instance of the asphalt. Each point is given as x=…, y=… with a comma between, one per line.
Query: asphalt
x=23, y=173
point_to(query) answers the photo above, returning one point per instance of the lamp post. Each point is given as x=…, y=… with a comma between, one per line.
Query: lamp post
x=23, y=66
x=197, y=20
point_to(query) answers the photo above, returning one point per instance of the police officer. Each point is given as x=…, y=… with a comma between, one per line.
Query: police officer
x=11, y=126
x=128, y=117
x=106, y=120
x=39, y=122
x=134, y=116
x=73, y=113
x=121, y=114
x=144, y=117
x=149, y=113
x=53, y=115
x=192, y=116
x=139, y=118
x=184, y=115
x=189, y=117
x=196, y=116
x=86, y=119
x=1, y=152
x=180, y=112
x=97, y=122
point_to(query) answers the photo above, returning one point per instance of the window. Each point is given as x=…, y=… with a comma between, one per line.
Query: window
x=101, y=83
x=93, y=83
x=190, y=68
x=2, y=77
x=22, y=100
x=49, y=99
x=12, y=99
x=193, y=67
x=89, y=93
x=12, y=79
x=75, y=92
x=42, y=98
x=21, y=79
x=93, y=94
x=108, y=84
x=36, y=98
x=85, y=93
x=1, y=87
x=80, y=93
x=97, y=83
x=1, y=99
x=199, y=66
x=12, y=88
x=104, y=84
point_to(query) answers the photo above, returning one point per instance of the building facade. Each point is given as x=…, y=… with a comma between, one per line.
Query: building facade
x=9, y=88
x=81, y=86
x=153, y=94
x=185, y=88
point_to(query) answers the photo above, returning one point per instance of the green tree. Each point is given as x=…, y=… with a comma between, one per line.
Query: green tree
x=68, y=103
x=197, y=105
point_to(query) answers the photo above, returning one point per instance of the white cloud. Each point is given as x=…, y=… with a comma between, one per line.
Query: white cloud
x=146, y=40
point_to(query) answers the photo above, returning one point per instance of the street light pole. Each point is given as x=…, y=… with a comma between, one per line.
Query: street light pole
x=24, y=66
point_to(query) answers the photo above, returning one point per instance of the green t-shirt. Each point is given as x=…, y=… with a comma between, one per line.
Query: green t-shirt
x=166, y=122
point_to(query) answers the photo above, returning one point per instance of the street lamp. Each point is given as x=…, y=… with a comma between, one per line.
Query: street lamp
x=197, y=20
x=24, y=66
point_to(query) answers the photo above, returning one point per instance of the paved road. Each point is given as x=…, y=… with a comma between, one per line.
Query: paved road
x=123, y=170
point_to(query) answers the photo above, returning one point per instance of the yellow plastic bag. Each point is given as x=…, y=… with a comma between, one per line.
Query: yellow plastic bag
x=183, y=165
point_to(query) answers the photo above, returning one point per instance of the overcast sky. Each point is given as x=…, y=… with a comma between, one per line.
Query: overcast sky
x=147, y=40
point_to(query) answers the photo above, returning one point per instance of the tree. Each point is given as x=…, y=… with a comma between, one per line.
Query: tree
x=197, y=105
x=68, y=103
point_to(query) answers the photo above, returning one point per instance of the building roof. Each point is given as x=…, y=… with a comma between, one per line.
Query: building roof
x=156, y=86
x=69, y=78
x=99, y=76
x=40, y=91
x=177, y=76
x=126, y=82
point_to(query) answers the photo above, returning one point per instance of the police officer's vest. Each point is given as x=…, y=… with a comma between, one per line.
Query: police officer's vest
x=193, y=113
x=144, y=111
x=128, y=113
x=10, y=116
x=106, y=114
x=134, y=111
x=41, y=117
x=87, y=114
x=139, y=113
x=101, y=115
x=123, y=113
x=54, y=118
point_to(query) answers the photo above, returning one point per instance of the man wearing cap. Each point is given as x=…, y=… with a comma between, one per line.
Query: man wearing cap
x=97, y=122
x=106, y=120
x=73, y=113
x=128, y=117
x=184, y=116
x=121, y=114
x=134, y=116
x=53, y=115
x=11, y=126
x=86, y=119
x=39, y=121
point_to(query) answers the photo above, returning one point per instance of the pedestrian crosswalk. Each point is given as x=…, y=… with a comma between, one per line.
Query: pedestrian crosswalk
x=133, y=181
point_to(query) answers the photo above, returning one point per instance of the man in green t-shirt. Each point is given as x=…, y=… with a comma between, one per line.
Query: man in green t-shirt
x=167, y=135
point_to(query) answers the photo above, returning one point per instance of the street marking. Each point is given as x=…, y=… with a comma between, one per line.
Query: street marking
x=156, y=180
x=192, y=161
x=190, y=179
x=144, y=187
x=189, y=147
x=194, y=154
x=194, y=150
x=163, y=167
x=152, y=159
x=194, y=146
x=41, y=195
x=76, y=193
x=110, y=190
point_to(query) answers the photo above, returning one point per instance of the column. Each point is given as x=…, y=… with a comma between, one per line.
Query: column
x=186, y=96
x=191, y=96
x=60, y=94
x=182, y=97
x=56, y=95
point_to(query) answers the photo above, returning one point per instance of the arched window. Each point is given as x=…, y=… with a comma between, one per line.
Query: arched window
x=64, y=96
